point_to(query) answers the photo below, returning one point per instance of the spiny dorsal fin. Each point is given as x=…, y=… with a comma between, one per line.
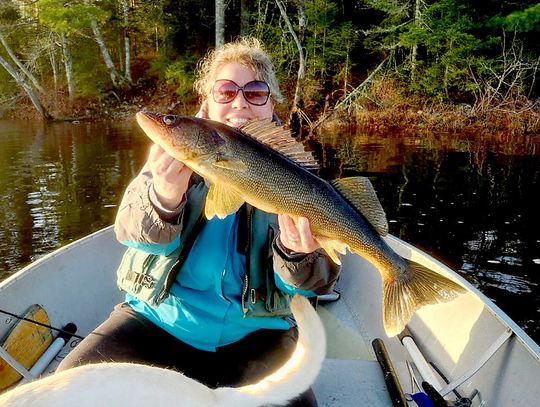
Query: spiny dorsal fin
x=278, y=138
x=362, y=195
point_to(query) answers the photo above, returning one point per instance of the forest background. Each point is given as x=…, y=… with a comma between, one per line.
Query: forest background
x=451, y=65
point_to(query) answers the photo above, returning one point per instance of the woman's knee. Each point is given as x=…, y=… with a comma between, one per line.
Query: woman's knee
x=115, y=340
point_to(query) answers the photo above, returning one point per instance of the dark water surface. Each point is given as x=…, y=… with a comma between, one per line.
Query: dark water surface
x=470, y=202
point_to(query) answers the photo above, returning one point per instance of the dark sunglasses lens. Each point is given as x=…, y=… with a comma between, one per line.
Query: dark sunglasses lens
x=224, y=91
x=256, y=92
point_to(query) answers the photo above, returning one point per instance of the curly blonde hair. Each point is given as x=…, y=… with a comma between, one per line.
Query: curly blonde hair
x=246, y=51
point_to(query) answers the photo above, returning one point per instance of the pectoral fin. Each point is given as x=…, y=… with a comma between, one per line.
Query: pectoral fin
x=332, y=248
x=221, y=201
x=229, y=163
x=209, y=210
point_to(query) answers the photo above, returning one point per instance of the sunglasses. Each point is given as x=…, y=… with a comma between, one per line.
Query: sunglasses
x=255, y=92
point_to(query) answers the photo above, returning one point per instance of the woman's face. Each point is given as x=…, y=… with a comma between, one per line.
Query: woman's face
x=238, y=111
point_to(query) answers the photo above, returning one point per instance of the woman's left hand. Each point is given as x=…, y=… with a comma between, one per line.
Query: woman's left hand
x=296, y=237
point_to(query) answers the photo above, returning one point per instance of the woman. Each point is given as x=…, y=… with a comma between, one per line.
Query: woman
x=209, y=298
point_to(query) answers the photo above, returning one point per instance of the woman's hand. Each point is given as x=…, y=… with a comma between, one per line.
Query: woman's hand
x=171, y=177
x=296, y=237
x=203, y=111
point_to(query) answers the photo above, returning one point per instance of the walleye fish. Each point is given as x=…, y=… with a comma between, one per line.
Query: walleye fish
x=263, y=165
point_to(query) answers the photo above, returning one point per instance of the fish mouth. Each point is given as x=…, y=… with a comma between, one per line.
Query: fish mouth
x=151, y=124
x=162, y=133
x=146, y=118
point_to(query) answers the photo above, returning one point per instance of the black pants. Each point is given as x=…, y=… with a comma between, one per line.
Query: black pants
x=127, y=336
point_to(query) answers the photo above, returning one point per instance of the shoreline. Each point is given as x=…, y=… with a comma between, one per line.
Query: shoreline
x=404, y=117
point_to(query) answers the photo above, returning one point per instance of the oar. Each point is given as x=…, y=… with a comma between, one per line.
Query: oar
x=420, y=362
x=51, y=352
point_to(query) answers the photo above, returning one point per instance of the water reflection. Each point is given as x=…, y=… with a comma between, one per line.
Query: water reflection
x=60, y=182
x=471, y=202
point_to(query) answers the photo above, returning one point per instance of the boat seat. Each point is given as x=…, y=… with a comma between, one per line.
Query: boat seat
x=351, y=383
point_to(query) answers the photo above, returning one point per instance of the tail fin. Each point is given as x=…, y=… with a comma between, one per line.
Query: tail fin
x=417, y=287
x=297, y=374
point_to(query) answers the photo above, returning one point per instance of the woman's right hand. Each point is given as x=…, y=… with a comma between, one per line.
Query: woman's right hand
x=171, y=177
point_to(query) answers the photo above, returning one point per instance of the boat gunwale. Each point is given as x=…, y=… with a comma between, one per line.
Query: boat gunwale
x=55, y=253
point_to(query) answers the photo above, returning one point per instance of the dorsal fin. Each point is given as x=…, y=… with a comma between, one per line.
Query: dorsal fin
x=362, y=195
x=278, y=138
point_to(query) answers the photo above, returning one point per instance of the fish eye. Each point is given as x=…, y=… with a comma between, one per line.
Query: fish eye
x=169, y=119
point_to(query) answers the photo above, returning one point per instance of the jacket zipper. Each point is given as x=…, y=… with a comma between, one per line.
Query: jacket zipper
x=245, y=288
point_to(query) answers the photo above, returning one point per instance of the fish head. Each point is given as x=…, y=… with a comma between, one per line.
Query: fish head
x=185, y=138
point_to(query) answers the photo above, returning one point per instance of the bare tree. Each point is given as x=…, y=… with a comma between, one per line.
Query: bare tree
x=68, y=64
x=260, y=19
x=220, y=23
x=299, y=40
x=127, y=60
x=116, y=79
x=418, y=6
x=502, y=87
x=52, y=60
x=19, y=63
x=26, y=87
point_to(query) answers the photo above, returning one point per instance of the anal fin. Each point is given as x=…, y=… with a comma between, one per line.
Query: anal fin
x=332, y=248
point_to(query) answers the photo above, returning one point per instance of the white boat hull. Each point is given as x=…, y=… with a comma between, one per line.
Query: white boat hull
x=77, y=284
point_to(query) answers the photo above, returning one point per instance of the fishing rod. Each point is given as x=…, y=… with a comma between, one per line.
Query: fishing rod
x=59, y=330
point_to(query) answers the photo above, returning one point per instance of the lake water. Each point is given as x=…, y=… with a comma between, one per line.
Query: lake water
x=471, y=202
